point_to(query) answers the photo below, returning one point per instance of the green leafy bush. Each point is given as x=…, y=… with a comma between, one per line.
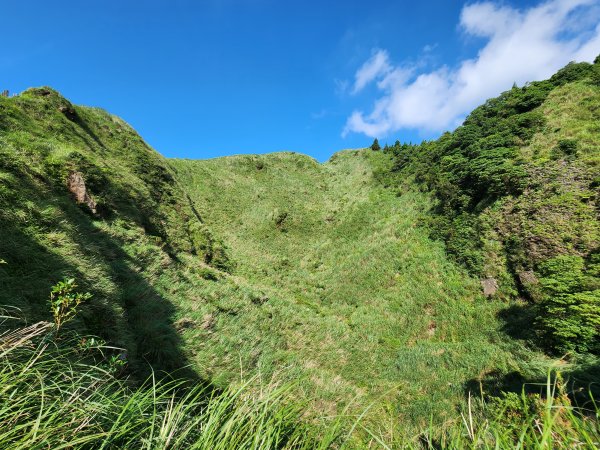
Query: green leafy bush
x=64, y=301
x=565, y=147
x=561, y=275
x=572, y=321
x=569, y=317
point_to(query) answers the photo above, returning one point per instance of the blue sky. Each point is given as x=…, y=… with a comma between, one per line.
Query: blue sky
x=200, y=79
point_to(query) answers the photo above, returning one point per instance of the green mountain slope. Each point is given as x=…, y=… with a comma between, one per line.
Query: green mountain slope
x=357, y=279
x=364, y=305
x=141, y=225
x=517, y=193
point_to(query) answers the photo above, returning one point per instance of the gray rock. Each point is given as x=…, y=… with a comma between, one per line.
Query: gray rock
x=77, y=187
x=527, y=278
x=490, y=286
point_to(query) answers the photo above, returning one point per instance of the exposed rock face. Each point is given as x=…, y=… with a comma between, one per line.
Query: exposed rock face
x=530, y=285
x=490, y=286
x=77, y=187
x=527, y=278
x=184, y=323
x=68, y=111
x=208, y=322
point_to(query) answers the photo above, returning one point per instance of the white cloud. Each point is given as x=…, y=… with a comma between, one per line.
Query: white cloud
x=591, y=49
x=377, y=65
x=521, y=46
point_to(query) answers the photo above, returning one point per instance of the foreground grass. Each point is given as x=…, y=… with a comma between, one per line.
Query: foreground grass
x=63, y=392
x=58, y=393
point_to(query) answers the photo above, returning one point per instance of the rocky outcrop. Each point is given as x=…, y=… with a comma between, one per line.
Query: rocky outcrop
x=76, y=185
x=69, y=111
x=530, y=285
x=489, y=286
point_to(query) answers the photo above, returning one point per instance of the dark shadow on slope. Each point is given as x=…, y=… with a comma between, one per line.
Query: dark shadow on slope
x=80, y=128
x=518, y=322
x=145, y=326
x=584, y=383
x=581, y=385
x=494, y=383
x=77, y=119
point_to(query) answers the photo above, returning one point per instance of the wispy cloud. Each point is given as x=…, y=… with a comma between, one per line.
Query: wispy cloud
x=521, y=46
x=376, y=66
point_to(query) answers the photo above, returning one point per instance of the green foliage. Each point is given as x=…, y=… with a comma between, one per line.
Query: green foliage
x=513, y=407
x=64, y=301
x=569, y=318
x=536, y=420
x=511, y=410
x=515, y=189
x=572, y=321
x=68, y=396
x=565, y=147
x=562, y=275
x=482, y=165
x=475, y=166
x=572, y=72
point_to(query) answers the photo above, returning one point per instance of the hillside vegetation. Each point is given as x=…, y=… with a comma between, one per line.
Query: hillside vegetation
x=517, y=193
x=354, y=298
x=303, y=304
x=141, y=226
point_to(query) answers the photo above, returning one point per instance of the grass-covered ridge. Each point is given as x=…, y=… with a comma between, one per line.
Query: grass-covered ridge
x=323, y=279
x=142, y=224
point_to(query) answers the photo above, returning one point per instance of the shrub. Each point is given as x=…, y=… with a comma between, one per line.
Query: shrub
x=64, y=301
x=569, y=316
x=572, y=321
x=571, y=72
x=561, y=275
x=531, y=96
x=565, y=147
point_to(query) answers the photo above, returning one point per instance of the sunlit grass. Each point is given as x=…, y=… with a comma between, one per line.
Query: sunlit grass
x=348, y=294
x=63, y=393
x=57, y=393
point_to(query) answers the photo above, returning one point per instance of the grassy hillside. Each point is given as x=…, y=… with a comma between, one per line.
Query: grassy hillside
x=355, y=299
x=141, y=227
x=518, y=200
x=337, y=304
